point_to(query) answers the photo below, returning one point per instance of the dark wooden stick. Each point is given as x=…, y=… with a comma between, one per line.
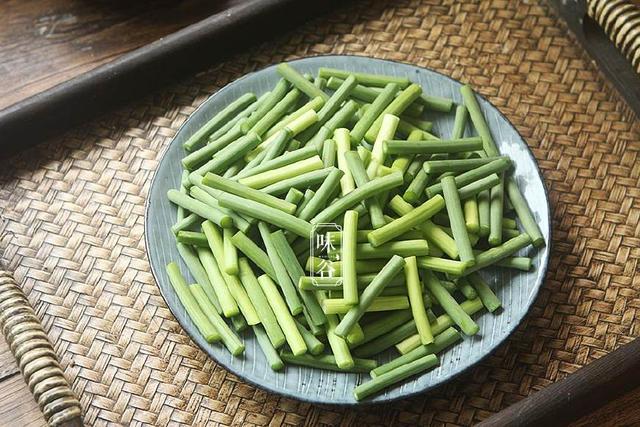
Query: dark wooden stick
x=134, y=74
x=578, y=394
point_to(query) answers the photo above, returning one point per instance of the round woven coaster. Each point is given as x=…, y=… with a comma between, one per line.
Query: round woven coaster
x=34, y=354
x=73, y=209
x=67, y=418
x=620, y=20
x=635, y=56
x=35, y=377
x=27, y=338
x=628, y=33
x=614, y=20
x=605, y=8
x=11, y=311
x=11, y=322
x=46, y=385
x=31, y=345
x=31, y=356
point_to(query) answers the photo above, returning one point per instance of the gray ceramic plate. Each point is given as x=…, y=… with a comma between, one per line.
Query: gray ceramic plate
x=516, y=289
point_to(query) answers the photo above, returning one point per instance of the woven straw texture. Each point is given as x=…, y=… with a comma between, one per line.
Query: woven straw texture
x=73, y=222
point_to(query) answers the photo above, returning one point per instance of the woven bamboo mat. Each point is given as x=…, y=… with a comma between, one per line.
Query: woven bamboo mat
x=72, y=223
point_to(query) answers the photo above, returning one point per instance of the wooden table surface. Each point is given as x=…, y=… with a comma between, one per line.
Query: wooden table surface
x=46, y=42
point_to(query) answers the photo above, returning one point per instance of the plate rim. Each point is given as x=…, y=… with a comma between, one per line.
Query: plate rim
x=544, y=267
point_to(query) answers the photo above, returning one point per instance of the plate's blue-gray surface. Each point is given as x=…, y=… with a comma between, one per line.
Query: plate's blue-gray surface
x=517, y=290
